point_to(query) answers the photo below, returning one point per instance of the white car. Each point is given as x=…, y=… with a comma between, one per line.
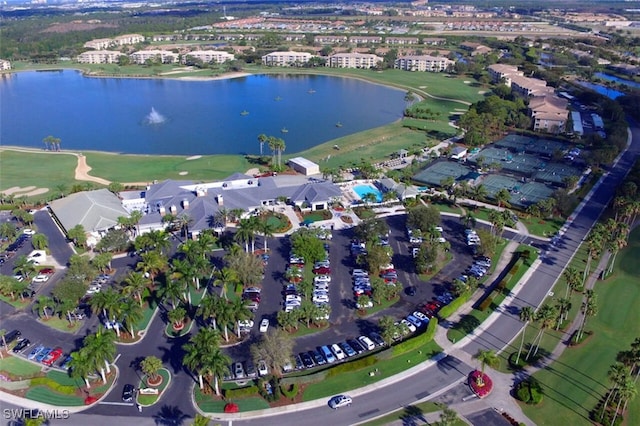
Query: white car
x=412, y=328
x=263, y=370
x=264, y=325
x=322, y=279
x=439, y=228
x=94, y=290
x=41, y=278
x=28, y=231
x=294, y=303
x=293, y=297
x=422, y=317
x=320, y=298
x=321, y=287
x=245, y=324
x=340, y=401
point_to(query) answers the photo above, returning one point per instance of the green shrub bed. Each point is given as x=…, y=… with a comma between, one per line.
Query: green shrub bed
x=352, y=366
x=418, y=341
x=455, y=304
x=241, y=392
x=53, y=385
x=529, y=391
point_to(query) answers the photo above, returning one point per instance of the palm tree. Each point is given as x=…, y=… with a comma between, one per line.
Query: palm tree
x=216, y=364
x=225, y=316
x=78, y=235
x=589, y=309
x=595, y=242
x=617, y=242
x=150, y=366
x=486, y=357
x=573, y=279
x=3, y=333
x=200, y=347
x=502, y=197
x=130, y=314
x=240, y=312
x=105, y=302
x=564, y=305
x=23, y=266
x=39, y=241
x=183, y=222
x=135, y=217
x=617, y=375
x=527, y=314
x=209, y=308
x=135, y=285
x=262, y=138
x=177, y=316
x=288, y=320
x=172, y=290
x=547, y=316
x=101, y=349
x=225, y=276
x=81, y=365
x=244, y=233
x=207, y=243
x=152, y=263
x=200, y=420
x=267, y=229
x=193, y=360
x=479, y=192
x=627, y=392
x=44, y=303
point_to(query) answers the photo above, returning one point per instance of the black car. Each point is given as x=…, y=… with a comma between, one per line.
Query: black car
x=127, y=393
x=11, y=336
x=317, y=357
x=377, y=339
x=356, y=345
x=23, y=343
x=411, y=291
x=307, y=360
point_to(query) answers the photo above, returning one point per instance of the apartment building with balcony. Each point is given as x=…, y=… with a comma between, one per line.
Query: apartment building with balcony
x=286, y=59
x=497, y=72
x=164, y=56
x=99, y=57
x=209, y=56
x=354, y=60
x=423, y=63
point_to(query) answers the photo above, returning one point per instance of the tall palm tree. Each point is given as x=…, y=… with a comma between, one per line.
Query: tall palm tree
x=225, y=276
x=617, y=375
x=81, y=365
x=200, y=347
x=527, y=314
x=193, y=360
x=101, y=349
x=244, y=233
x=209, y=308
x=207, y=243
x=573, y=279
x=627, y=392
x=595, y=242
x=135, y=285
x=240, y=312
x=152, y=263
x=130, y=313
x=216, y=364
x=105, y=302
x=44, y=303
x=225, y=316
x=173, y=290
x=267, y=229
x=589, y=309
x=547, y=316
x=479, y=192
x=135, y=217
x=487, y=357
x=564, y=305
x=23, y=266
x=191, y=250
x=262, y=138
x=617, y=241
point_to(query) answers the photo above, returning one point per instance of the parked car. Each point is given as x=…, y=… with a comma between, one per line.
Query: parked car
x=264, y=325
x=347, y=349
x=415, y=321
x=307, y=360
x=43, y=354
x=338, y=352
x=412, y=328
x=238, y=370
x=22, y=343
x=323, y=270
x=65, y=362
x=317, y=357
x=356, y=345
x=35, y=352
x=340, y=401
x=52, y=357
x=40, y=278
x=377, y=339
x=250, y=370
x=127, y=393
x=263, y=370
x=299, y=363
x=11, y=336
x=366, y=343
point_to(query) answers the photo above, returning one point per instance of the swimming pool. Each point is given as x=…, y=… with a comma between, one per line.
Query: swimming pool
x=363, y=190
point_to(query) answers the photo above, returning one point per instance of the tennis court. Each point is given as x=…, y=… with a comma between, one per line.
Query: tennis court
x=522, y=194
x=555, y=173
x=521, y=163
x=542, y=147
x=435, y=173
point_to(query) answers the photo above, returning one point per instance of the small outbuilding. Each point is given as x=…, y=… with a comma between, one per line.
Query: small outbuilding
x=458, y=152
x=304, y=166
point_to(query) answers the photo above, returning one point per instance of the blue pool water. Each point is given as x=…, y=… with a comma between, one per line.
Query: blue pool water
x=363, y=190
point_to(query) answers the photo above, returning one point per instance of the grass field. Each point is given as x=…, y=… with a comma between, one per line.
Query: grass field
x=39, y=169
x=19, y=367
x=409, y=414
x=61, y=324
x=574, y=383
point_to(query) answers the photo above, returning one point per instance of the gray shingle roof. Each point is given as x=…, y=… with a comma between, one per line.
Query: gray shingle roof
x=95, y=210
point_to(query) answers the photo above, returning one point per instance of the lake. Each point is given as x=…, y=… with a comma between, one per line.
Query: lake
x=619, y=80
x=601, y=89
x=160, y=116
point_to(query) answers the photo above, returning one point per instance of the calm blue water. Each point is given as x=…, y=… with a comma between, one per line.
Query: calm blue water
x=363, y=190
x=200, y=117
x=619, y=80
x=603, y=90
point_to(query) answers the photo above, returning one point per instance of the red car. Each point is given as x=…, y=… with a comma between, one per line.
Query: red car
x=323, y=270
x=53, y=356
x=46, y=271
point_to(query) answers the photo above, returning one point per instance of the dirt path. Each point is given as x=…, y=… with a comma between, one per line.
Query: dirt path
x=83, y=169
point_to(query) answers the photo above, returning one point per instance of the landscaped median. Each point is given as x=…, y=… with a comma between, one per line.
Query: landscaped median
x=492, y=299
x=151, y=389
x=28, y=380
x=300, y=387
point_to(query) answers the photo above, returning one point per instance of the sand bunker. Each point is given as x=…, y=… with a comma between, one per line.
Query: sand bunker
x=481, y=92
x=37, y=192
x=467, y=82
x=183, y=173
x=252, y=172
x=16, y=189
x=422, y=87
x=194, y=157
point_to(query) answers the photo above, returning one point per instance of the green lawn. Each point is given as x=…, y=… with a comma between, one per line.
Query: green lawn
x=44, y=394
x=19, y=169
x=146, y=400
x=17, y=303
x=386, y=367
x=543, y=227
x=61, y=324
x=574, y=383
x=18, y=367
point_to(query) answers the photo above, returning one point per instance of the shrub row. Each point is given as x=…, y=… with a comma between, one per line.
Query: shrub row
x=53, y=385
x=352, y=366
x=240, y=392
x=529, y=391
x=418, y=341
x=485, y=303
x=300, y=380
x=455, y=304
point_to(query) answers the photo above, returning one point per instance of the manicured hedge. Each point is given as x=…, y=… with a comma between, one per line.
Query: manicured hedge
x=455, y=304
x=289, y=391
x=529, y=391
x=485, y=303
x=309, y=378
x=418, y=341
x=352, y=366
x=241, y=392
x=53, y=385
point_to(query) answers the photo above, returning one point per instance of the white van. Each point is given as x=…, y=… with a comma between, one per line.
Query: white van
x=339, y=353
x=366, y=342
